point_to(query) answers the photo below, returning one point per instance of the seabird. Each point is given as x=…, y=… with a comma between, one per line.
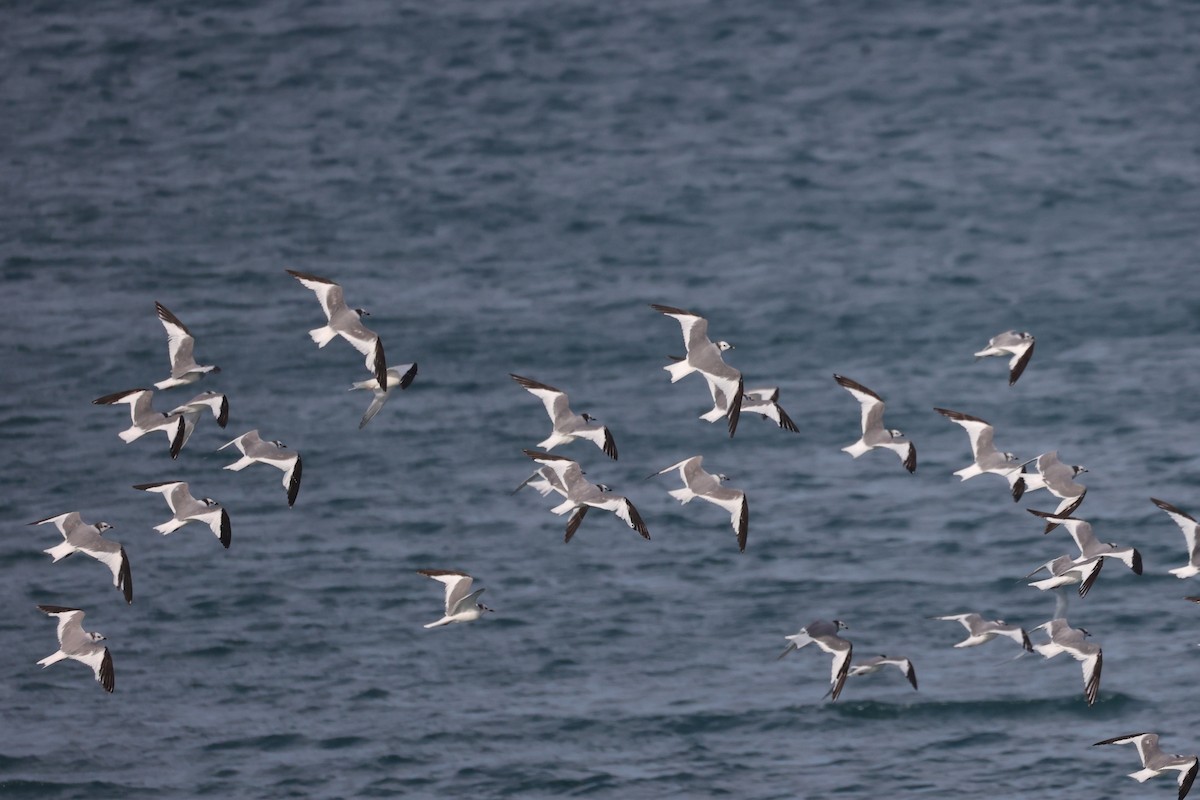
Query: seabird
x=707, y=486
x=1156, y=762
x=1073, y=642
x=461, y=605
x=192, y=410
x=704, y=356
x=567, y=425
x=186, y=508
x=1010, y=343
x=1089, y=547
x=180, y=344
x=145, y=419
x=876, y=663
x=1188, y=525
x=80, y=537
x=873, y=433
x=345, y=322
x=987, y=457
x=400, y=376
x=581, y=495
x=824, y=634
x=544, y=481
x=76, y=643
x=982, y=630
x=1058, y=479
x=275, y=453
x=1064, y=571
x=762, y=400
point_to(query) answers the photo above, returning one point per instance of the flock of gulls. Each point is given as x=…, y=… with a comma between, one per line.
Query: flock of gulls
x=576, y=495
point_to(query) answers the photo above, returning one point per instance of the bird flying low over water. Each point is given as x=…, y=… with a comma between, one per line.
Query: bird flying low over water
x=1057, y=478
x=345, y=322
x=581, y=495
x=1010, y=343
x=986, y=457
x=876, y=663
x=567, y=425
x=397, y=377
x=824, y=633
x=707, y=486
x=186, y=508
x=461, y=605
x=1073, y=642
x=80, y=537
x=180, y=345
x=704, y=356
x=1065, y=571
x=1189, y=526
x=873, y=433
x=762, y=400
x=982, y=630
x=193, y=409
x=1089, y=547
x=80, y=645
x=275, y=453
x=145, y=419
x=1156, y=762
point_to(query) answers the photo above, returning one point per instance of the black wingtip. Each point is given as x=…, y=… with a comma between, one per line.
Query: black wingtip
x=735, y=409
x=573, y=522
x=125, y=578
x=610, y=446
x=910, y=463
x=177, y=439
x=380, y=364
x=786, y=423
x=1018, y=489
x=226, y=529
x=223, y=416
x=107, y=677
x=407, y=378
x=294, y=484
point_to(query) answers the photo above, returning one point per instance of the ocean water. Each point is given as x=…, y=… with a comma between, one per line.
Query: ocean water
x=871, y=189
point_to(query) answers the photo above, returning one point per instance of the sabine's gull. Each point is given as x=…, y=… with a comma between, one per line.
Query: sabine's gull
x=876, y=663
x=192, y=410
x=1156, y=762
x=345, y=322
x=461, y=605
x=987, y=457
x=1074, y=642
x=1188, y=525
x=145, y=419
x=581, y=495
x=1065, y=571
x=762, y=400
x=1019, y=345
x=180, y=345
x=76, y=643
x=186, y=508
x=1089, y=547
x=824, y=633
x=400, y=376
x=1059, y=479
x=704, y=356
x=80, y=537
x=275, y=453
x=982, y=630
x=707, y=486
x=873, y=433
x=567, y=425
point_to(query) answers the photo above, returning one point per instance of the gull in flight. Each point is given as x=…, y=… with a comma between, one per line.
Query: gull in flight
x=186, y=508
x=1064, y=571
x=1059, y=479
x=987, y=457
x=707, y=486
x=145, y=419
x=1188, y=525
x=567, y=425
x=193, y=409
x=824, y=633
x=180, y=345
x=1089, y=547
x=1156, y=762
x=345, y=322
x=275, y=453
x=873, y=433
x=704, y=356
x=762, y=400
x=982, y=630
x=581, y=495
x=545, y=481
x=461, y=602
x=76, y=643
x=1073, y=642
x=80, y=537
x=1010, y=343
x=401, y=376
x=876, y=663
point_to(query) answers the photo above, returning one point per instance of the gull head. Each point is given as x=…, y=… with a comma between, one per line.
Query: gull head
x=96, y=636
x=587, y=417
x=723, y=346
x=208, y=501
x=362, y=312
x=895, y=434
x=721, y=476
x=1009, y=456
x=1078, y=468
x=604, y=487
x=482, y=607
x=103, y=526
x=278, y=443
x=1084, y=631
x=841, y=626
